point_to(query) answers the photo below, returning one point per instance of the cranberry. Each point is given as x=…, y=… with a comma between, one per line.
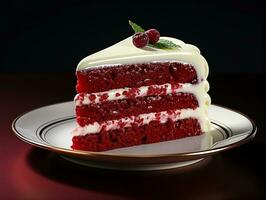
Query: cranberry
x=153, y=35
x=140, y=40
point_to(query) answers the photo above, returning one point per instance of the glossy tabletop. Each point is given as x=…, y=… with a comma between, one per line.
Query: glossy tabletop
x=28, y=172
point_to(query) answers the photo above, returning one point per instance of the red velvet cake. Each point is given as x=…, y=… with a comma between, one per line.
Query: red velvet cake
x=131, y=96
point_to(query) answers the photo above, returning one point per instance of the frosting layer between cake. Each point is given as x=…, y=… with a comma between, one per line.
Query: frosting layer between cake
x=124, y=93
x=142, y=119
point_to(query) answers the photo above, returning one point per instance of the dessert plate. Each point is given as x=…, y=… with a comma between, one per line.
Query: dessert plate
x=50, y=128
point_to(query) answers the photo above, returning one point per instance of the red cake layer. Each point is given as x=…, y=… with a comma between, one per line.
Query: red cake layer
x=110, y=110
x=134, y=75
x=130, y=136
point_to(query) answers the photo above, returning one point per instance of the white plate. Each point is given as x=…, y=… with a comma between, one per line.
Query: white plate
x=50, y=127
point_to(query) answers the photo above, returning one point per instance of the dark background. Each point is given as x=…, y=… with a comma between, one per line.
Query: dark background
x=45, y=36
x=41, y=43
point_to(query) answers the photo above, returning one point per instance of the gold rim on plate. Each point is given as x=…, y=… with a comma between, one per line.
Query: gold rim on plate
x=136, y=159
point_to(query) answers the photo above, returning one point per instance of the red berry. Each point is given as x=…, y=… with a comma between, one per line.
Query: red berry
x=153, y=35
x=140, y=40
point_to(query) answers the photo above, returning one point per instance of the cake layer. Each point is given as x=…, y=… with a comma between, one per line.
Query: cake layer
x=110, y=110
x=104, y=78
x=136, y=135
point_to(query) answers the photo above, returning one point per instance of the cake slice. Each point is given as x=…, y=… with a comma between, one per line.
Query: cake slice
x=131, y=96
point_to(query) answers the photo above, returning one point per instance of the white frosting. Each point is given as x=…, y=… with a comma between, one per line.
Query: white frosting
x=142, y=119
x=196, y=89
x=125, y=52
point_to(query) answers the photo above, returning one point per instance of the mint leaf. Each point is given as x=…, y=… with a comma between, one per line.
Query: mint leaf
x=164, y=44
x=135, y=27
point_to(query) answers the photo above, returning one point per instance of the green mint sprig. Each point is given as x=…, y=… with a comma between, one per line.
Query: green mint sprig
x=164, y=44
x=161, y=44
x=135, y=27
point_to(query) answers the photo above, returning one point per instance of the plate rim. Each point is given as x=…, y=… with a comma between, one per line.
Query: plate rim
x=132, y=158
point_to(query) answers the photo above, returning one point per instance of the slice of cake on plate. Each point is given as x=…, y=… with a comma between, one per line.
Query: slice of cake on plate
x=131, y=96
